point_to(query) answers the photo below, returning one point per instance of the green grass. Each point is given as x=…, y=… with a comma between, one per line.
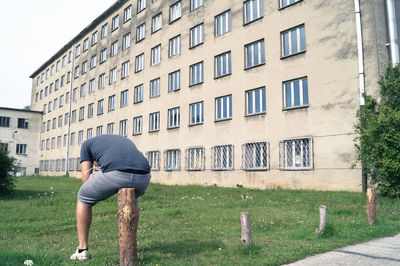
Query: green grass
x=186, y=225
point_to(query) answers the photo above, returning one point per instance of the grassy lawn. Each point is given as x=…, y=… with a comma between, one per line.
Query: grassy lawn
x=186, y=225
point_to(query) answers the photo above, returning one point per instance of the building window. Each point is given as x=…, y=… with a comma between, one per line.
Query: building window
x=175, y=11
x=61, y=104
x=58, y=142
x=77, y=51
x=93, y=61
x=85, y=45
x=223, y=23
x=89, y=133
x=124, y=98
x=156, y=54
x=125, y=70
x=296, y=154
x=71, y=164
x=194, y=4
x=127, y=13
x=50, y=107
x=104, y=31
x=141, y=5
x=256, y=101
x=154, y=122
x=156, y=23
x=80, y=137
x=172, y=160
x=82, y=113
x=56, y=85
x=195, y=159
x=174, y=46
x=58, y=164
x=155, y=87
x=111, y=103
x=60, y=120
x=84, y=67
x=174, y=81
x=55, y=104
x=222, y=157
x=255, y=156
x=137, y=125
x=102, y=81
x=21, y=148
x=223, y=65
x=139, y=62
x=123, y=128
x=73, y=116
x=73, y=138
x=196, y=74
x=100, y=107
x=76, y=72
x=62, y=81
x=223, y=108
x=4, y=146
x=293, y=41
x=115, y=23
x=114, y=49
x=113, y=75
x=47, y=144
x=153, y=157
x=83, y=90
x=138, y=94
x=54, y=123
x=140, y=32
x=110, y=128
x=99, y=131
x=58, y=65
x=196, y=35
x=126, y=41
x=174, y=117
x=196, y=113
x=66, y=119
x=94, y=38
x=103, y=55
x=90, y=110
x=254, y=54
x=92, y=84
x=69, y=77
x=295, y=93
x=64, y=61
x=23, y=123
x=285, y=3
x=253, y=10
x=4, y=121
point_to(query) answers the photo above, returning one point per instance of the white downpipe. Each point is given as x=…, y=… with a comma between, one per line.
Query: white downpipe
x=361, y=74
x=392, y=28
x=69, y=112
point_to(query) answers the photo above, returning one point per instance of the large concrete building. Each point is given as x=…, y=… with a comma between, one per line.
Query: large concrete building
x=19, y=136
x=259, y=93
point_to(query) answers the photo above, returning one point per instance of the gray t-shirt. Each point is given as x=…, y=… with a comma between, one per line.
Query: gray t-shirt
x=114, y=152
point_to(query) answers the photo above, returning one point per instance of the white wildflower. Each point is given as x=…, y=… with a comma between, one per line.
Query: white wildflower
x=28, y=262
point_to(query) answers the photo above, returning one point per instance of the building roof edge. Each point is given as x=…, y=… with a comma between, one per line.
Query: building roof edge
x=21, y=110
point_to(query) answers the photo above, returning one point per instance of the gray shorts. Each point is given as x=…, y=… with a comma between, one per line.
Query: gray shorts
x=101, y=186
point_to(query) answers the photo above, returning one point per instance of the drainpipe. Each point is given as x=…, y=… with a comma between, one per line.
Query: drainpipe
x=392, y=28
x=361, y=74
x=69, y=112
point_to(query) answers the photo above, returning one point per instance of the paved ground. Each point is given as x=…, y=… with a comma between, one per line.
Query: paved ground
x=382, y=251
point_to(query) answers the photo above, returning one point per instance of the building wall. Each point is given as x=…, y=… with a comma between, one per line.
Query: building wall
x=13, y=135
x=330, y=63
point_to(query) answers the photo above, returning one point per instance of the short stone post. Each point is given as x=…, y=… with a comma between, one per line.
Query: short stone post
x=322, y=219
x=371, y=206
x=127, y=227
x=245, y=228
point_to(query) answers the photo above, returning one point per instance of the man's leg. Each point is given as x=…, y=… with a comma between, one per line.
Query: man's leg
x=83, y=221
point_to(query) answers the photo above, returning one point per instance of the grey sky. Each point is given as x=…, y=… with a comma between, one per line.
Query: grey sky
x=32, y=32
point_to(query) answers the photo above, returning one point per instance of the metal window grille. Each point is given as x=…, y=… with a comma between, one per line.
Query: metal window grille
x=154, y=160
x=71, y=164
x=58, y=165
x=41, y=165
x=296, y=154
x=195, y=159
x=172, y=160
x=63, y=165
x=255, y=156
x=222, y=157
x=46, y=165
x=78, y=164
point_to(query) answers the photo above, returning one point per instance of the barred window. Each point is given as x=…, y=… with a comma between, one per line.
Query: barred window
x=223, y=23
x=58, y=165
x=153, y=157
x=63, y=164
x=293, y=41
x=222, y=157
x=71, y=164
x=296, y=154
x=196, y=35
x=174, y=117
x=46, y=165
x=195, y=159
x=175, y=11
x=255, y=156
x=174, y=46
x=223, y=65
x=174, y=81
x=254, y=54
x=137, y=125
x=172, y=160
x=196, y=74
x=253, y=9
x=51, y=165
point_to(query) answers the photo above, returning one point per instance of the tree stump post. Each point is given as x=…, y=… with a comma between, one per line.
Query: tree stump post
x=322, y=219
x=371, y=206
x=245, y=229
x=127, y=227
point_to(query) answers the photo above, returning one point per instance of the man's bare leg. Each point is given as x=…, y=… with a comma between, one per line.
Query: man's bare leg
x=83, y=221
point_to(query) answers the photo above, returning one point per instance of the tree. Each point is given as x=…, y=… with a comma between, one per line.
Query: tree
x=6, y=168
x=378, y=143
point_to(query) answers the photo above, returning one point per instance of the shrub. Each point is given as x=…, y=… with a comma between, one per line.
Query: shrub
x=6, y=179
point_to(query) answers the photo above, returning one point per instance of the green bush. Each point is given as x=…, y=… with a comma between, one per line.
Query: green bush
x=6, y=179
x=378, y=144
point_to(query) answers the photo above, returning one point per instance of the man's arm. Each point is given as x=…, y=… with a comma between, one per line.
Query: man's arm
x=87, y=170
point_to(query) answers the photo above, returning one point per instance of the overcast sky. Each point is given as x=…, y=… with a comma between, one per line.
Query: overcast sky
x=32, y=31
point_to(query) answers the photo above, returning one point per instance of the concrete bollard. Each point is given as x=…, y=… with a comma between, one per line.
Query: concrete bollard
x=245, y=228
x=322, y=219
x=371, y=206
x=127, y=226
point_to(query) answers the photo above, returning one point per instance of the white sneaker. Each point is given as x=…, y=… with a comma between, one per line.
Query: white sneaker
x=84, y=255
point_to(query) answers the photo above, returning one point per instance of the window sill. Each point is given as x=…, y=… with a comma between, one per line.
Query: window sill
x=172, y=128
x=295, y=108
x=224, y=169
x=196, y=84
x=256, y=169
x=257, y=114
x=194, y=170
x=250, y=67
x=137, y=102
x=156, y=30
x=222, y=76
x=154, y=131
x=292, y=55
x=170, y=91
x=297, y=169
x=222, y=120
x=137, y=134
x=197, y=124
x=282, y=8
x=254, y=20
x=194, y=46
x=171, y=22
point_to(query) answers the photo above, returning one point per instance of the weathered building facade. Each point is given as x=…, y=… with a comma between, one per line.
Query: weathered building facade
x=259, y=93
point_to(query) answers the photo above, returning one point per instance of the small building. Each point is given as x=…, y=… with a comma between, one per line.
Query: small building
x=20, y=135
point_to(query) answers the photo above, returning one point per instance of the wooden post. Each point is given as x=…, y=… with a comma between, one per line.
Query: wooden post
x=322, y=219
x=127, y=226
x=245, y=228
x=371, y=206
